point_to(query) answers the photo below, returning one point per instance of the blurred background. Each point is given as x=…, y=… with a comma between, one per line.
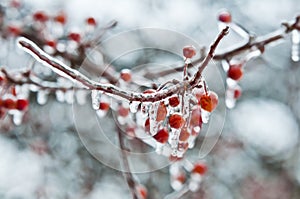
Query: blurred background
x=256, y=156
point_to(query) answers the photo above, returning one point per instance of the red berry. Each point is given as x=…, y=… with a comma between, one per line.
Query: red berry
x=15, y=3
x=123, y=111
x=40, y=16
x=126, y=75
x=91, y=21
x=225, y=17
x=181, y=178
x=235, y=72
x=1, y=79
x=199, y=168
x=75, y=36
x=184, y=134
x=162, y=135
x=22, y=104
x=161, y=112
x=196, y=119
x=148, y=91
x=237, y=93
x=142, y=192
x=176, y=121
x=51, y=43
x=9, y=103
x=14, y=30
x=209, y=102
x=174, y=158
x=189, y=51
x=147, y=125
x=61, y=18
x=174, y=101
x=104, y=106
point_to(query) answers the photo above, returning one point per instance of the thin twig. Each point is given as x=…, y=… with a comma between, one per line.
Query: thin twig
x=41, y=84
x=74, y=75
x=127, y=173
x=209, y=56
x=258, y=43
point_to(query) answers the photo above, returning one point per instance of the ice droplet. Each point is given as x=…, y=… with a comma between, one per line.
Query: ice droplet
x=69, y=97
x=134, y=106
x=225, y=65
x=42, y=97
x=60, y=95
x=176, y=184
x=159, y=148
x=191, y=141
x=96, y=98
x=18, y=117
x=230, y=82
x=33, y=88
x=205, y=116
x=152, y=117
x=194, y=186
x=295, y=53
x=101, y=113
x=230, y=101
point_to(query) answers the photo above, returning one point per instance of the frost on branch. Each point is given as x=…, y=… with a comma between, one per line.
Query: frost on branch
x=173, y=127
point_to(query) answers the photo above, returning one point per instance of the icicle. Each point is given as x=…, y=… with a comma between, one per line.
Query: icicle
x=101, y=113
x=60, y=95
x=33, y=88
x=96, y=98
x=205, y=116
x=230, y=82
x=230, y=101
x=194, y=185
x=295, y=54
x=252, y=54
x=232, y=94
x=133, y=106
x=225, y=65
x=69, y=97
x=152, y=116
x=159, y=148
x=186, y=107
x=191, y=141
x=18, y=117
x=42, y=96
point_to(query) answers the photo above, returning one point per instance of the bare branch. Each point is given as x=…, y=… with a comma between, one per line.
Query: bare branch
x=75, y=76
x=209, y=56
x=110, y=89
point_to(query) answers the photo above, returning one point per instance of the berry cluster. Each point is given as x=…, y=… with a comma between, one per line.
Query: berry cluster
x=187, y=173
x=234, y=68
x=13, y=101
x=173, y=123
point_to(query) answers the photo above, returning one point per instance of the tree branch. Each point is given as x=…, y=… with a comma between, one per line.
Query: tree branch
x=259, y=43
x=74, y=75
x=127, y=174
